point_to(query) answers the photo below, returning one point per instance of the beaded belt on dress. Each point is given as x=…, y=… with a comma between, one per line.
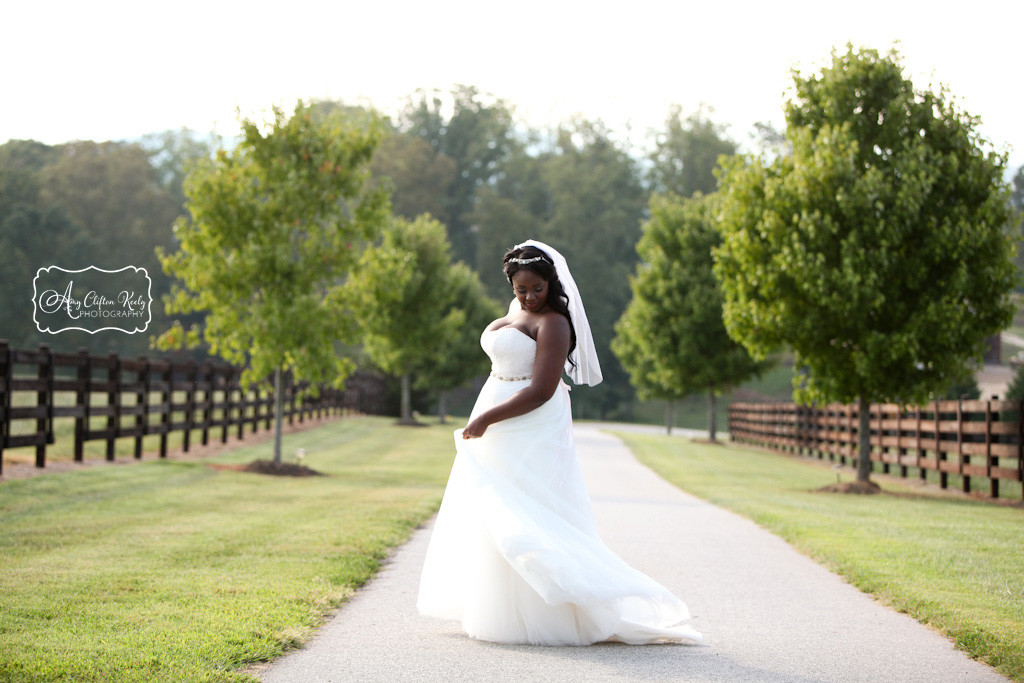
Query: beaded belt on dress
x=511, y=379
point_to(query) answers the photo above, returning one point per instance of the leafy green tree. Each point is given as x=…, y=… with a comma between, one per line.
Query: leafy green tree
x=509, y=209
x=597, y=202
x=33, y=234
x=477, y=136
x=1015, y=391
x=113, y=191
x=402, y=301
x=419, y=178
x=274, y=228
x=686, y=154
x=33, y=237
x=877, y=250
x=583, y=196
x=459, y=358
x=671, y=337
x=26, y=156
x=1017, y=205
x=117, y=196
x=173, y=153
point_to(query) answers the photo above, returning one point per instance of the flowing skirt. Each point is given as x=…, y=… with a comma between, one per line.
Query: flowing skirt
x=515, y=554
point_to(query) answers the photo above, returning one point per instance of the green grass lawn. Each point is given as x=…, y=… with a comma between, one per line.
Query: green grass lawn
x=172, y=570
x=954, y=563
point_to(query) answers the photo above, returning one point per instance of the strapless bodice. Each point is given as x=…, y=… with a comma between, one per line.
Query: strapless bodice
x=511, y=351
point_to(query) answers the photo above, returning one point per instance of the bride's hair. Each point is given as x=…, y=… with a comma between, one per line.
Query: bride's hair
x=535, y=260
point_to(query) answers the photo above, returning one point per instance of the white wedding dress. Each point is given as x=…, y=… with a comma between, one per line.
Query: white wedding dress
x=515, y=554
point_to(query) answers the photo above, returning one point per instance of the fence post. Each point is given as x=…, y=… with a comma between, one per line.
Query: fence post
x=225, y=413
x=113, y=402
x=241, y=405
x=965, y=479
x=993, y=483
x=940, y=455
x=141, y=405
x=5, y=397
x=44, y=399
x=166, y=400
x=207, y=375
x=289, y=391
x=268, y=412
x=83, y=397
x=190, y=405
x=1020, y=444
x=919, y=446
x=901, y=451
x=254, y=391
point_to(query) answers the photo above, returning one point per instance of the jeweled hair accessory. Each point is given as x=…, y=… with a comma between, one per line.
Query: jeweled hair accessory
x=524, y=261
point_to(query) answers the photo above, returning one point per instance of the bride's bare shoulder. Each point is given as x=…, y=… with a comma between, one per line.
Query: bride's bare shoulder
x=554, y=324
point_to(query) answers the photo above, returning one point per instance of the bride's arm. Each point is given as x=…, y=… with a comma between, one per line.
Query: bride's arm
x=552, y=347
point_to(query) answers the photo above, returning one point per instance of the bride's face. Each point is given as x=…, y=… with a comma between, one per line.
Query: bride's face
x=531, y=290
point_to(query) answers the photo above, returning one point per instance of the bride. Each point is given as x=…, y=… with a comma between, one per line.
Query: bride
x=515, y=555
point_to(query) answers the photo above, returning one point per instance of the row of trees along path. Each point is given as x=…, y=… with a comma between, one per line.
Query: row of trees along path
x=874, y=245
x=299, y=265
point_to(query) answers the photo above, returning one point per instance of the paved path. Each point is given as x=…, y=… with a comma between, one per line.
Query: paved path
x=767, y=612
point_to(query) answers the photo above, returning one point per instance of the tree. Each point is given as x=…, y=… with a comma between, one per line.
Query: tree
x=596, y=205
x=460, y=357
x=686, y=154
x=402, y=300
x=877, y=250
x=173, y=153
x=1017, y=205
x=1015, y=391
x=113, y=191
x=34, y=233
x=274, y=228
x=671, y=337
x=477, y=136
x=419, y=178
x=584, y=197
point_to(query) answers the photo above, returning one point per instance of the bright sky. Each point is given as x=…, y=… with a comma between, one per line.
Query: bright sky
x=114, y=70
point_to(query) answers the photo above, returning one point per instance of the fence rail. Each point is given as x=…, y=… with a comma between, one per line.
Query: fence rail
x=973, y=439
x=163, y=396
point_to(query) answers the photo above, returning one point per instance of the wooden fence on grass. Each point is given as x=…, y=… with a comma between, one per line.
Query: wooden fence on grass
x=133, y=398
x=973, y=439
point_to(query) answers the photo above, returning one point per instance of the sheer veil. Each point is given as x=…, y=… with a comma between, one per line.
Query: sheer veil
x=588, y=369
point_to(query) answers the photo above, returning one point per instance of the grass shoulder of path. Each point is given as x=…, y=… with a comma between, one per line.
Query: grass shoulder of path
x=955, y=564
x=173, y=570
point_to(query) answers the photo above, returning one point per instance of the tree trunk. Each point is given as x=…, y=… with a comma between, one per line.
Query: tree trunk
x=406, y=413
x=670, y=410
x=442, y=406
x=712, y=417
x=864, y=439
x=278, y=400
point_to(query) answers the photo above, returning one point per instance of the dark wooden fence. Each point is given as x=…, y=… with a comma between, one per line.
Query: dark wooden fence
x=110, y=397
x=973, y=439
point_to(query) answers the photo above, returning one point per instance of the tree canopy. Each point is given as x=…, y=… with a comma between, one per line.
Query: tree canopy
x=686, y=154
x=477, y=135
x=877, y=250
x=671, y=338
x=404, y=303
x=274, y=227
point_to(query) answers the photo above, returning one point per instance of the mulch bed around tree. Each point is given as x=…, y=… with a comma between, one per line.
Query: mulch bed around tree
x=859, y=487
x=281, y=469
